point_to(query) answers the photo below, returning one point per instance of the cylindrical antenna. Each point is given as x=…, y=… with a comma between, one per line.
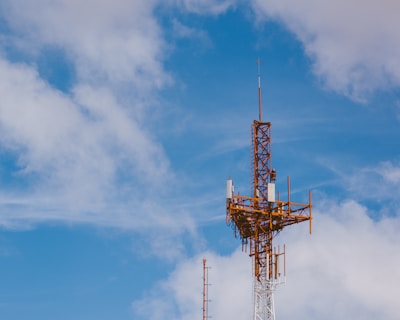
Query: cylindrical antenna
x=259, y=92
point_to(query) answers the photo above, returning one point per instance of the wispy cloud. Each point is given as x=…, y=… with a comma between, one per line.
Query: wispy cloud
x=84, y=156
x=342, y=40
x=107, y=42
x=378, y=183
x=183, y=31
x=213, y=7
x=65, y=138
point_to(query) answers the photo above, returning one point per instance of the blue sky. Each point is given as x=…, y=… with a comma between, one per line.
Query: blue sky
x=121, y=121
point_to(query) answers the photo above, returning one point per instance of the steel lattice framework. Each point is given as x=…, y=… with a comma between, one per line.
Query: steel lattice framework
x=259, y=218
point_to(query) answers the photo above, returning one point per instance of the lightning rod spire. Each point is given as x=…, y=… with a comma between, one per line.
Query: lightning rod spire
x=259, y=91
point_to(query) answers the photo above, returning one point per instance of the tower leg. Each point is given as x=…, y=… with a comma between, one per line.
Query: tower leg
x=264, y=308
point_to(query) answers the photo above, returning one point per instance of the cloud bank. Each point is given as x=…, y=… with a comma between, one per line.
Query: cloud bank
x=348, y=269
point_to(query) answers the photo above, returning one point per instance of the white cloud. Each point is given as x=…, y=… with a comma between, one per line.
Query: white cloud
x=338, y=271
x=87, y=156
x=348, y=269
x=390, y=172
x=230, y=284
x=354, y=45
x=76, y=155
x=213, y=7
x=107, y=41
x=379, y=183
x=183, y=31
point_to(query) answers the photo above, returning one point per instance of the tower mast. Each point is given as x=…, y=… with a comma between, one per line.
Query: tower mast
x=259, y=218
x=259, y=92
x=205, y=289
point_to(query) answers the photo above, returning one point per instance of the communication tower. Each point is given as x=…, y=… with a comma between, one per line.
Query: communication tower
x=259, y=218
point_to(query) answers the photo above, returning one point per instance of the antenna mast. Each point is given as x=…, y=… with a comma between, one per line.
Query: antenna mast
x=259, y=218
x=205, y=289
x=259, y=92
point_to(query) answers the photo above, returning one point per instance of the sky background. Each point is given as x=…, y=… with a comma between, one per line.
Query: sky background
x=120, y=122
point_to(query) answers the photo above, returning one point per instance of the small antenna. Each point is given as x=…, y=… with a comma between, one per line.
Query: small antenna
x=259, y=92
x=205, y=290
